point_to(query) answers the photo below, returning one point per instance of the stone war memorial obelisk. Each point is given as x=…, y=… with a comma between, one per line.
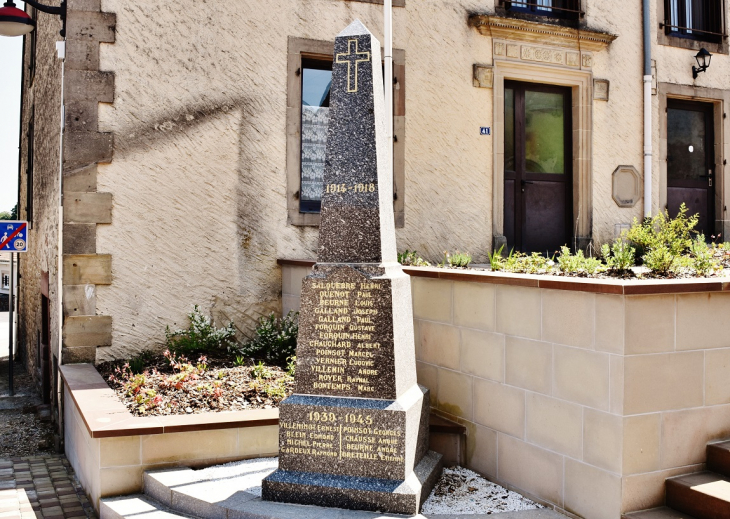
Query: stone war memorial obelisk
x=355, y=432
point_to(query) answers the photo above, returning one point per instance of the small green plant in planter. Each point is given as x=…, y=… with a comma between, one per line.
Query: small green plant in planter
x=456, y=260
x=496, y=260
x=261, y=372
x=138, y=363
x=201, y=336
x=702, y=257
x=291, y=365
x=276, y=339
x=412, y=259
x=578, y=263
x=620, y=256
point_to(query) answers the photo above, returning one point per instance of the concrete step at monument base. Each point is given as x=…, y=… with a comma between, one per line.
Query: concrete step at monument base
x=657, y=513
x=704, y=495
x=193, y=493
x=137, y=507
x=718, y=458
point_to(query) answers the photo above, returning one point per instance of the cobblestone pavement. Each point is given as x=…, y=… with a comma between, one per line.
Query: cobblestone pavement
x=34, y=487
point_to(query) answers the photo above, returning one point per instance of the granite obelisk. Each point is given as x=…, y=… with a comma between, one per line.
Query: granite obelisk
x=355, y=432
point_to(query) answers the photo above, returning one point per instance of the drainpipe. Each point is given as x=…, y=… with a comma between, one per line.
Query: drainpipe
x=61, y=51
x=647, y=111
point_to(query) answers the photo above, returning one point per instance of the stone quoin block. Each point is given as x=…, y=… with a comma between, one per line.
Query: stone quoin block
x=89, y=85
x=92, y=26
x=80, y=269
x=87, y=207
x=79, y=238
x=87, y=331
x=82, y=180
x=84, y=148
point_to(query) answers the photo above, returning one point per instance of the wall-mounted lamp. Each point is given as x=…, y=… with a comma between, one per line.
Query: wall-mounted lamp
x=15, y=22
x=703, y=58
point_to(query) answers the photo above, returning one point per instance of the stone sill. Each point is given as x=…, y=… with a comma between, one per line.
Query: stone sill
x=105, y=416
x=596, y=286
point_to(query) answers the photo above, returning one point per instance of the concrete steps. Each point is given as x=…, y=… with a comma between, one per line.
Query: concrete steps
x=718, y=458
x=137, y=506
x=702, y=495
x=231, y=492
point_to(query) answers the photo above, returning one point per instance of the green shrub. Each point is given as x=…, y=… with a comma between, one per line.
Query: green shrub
x=456, y=260
x=411, y=258
x=276, y=339
x=201, y=336
x=577, y=263
x=663, y=240
x=620, y=256
x=702, y=255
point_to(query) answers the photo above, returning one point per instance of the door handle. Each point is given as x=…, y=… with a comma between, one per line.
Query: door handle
x=708, y=177
x=523, y=183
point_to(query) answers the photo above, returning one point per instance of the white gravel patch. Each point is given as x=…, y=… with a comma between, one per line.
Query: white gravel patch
x=459, y=491
x=462, y=491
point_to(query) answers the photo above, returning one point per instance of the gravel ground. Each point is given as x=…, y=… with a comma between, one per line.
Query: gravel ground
x=22, y=433
x=459, y=491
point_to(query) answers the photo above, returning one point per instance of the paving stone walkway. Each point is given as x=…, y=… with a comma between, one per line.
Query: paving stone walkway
x=34, y=487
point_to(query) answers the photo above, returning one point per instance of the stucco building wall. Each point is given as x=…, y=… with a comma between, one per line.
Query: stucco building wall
x=187, y=118
x=199, y=119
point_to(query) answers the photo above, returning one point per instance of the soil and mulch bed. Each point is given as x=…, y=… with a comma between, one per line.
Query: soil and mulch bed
x=160, y=388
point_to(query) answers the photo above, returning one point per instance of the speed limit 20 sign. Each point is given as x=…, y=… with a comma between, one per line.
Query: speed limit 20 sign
x=13, y=236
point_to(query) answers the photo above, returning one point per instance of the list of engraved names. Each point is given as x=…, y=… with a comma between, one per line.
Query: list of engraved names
x=343, y=434
x=346, y=345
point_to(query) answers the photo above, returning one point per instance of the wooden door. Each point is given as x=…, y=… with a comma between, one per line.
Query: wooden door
x=691, y=161
x=538, y=167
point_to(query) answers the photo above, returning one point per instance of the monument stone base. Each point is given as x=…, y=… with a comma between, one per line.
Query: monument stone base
x=356, y=493
x=357, y=453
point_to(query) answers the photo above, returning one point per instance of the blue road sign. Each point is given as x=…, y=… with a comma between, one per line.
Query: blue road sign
x=13, y=236
x=485, y=130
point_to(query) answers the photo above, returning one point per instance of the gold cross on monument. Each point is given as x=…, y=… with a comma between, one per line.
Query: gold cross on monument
x=353, y=56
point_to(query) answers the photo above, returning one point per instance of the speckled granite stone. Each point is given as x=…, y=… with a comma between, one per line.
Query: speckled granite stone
x=355, y=433
x=357, y=215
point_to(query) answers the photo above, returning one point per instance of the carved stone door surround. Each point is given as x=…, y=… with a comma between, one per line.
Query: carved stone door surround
x=555, y=55
x=720, y=99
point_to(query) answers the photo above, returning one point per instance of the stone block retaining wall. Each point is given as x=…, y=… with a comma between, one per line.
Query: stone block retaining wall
x=110, y=449
x=585, y=394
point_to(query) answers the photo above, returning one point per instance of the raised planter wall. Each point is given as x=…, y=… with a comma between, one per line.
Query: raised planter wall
x=110, y=449
x=585, y=394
